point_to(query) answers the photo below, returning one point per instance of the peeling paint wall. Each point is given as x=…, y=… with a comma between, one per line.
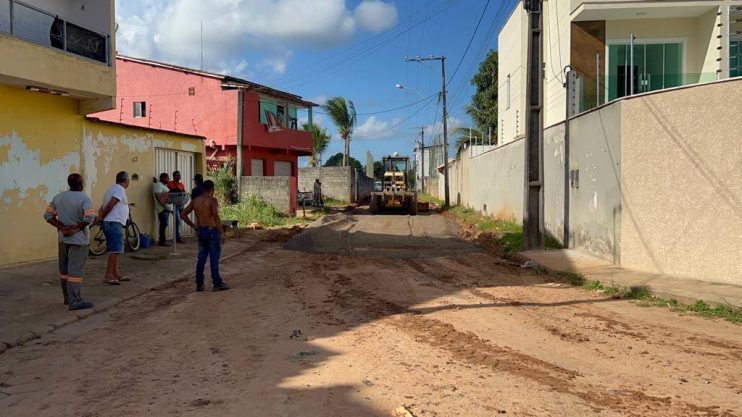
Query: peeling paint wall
x=42, y=140
x=554, y=181
x=595, y=197
x=39, y=145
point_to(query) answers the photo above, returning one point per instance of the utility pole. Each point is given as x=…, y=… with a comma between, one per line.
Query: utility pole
x=533, y=220
x=446, y=199
x=422, y=156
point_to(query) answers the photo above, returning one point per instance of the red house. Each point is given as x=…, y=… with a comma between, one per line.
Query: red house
x=255, y=124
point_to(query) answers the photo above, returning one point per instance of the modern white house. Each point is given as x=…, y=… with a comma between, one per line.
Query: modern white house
x=665, y=44
x=641, y=157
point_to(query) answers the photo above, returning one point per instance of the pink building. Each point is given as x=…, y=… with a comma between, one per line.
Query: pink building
x=257, y=125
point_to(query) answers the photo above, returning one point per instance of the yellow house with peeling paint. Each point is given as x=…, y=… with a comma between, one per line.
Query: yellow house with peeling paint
x=49, y=82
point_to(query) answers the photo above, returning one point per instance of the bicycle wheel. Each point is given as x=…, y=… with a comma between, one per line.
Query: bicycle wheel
x=132, y=237
x=98, y=245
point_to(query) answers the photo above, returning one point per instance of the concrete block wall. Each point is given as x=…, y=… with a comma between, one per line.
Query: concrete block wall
x=431, y=187
x=338, y=183
x=275, y=191
x=365, y=186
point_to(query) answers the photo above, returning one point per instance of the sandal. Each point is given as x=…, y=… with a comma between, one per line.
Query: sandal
x=112, y=282
x=124, y=279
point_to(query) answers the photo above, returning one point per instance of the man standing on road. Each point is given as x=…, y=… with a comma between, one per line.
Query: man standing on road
x=198, y=179
x=317, y=193
x=71, y=212
x=114, y=214
x=175, y=186
x=210, y=235
x=163, y=209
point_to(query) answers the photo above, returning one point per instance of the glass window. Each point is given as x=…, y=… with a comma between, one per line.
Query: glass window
x=140, y=109
x=735, y=41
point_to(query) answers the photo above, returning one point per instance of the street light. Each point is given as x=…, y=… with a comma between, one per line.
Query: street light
x=401, y=87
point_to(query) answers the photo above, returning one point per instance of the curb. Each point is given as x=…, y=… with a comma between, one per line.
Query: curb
x=682, y=299
x=103, y=307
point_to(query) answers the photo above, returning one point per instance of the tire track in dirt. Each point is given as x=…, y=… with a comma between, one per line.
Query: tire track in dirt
x=470, y=348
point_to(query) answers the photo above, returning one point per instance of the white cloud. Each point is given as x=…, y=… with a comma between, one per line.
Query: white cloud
x=376, y=15
x=320, y=99
x=375, y=128
x=171, y=29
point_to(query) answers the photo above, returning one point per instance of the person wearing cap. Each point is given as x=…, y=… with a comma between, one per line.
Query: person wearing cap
x=198, y=179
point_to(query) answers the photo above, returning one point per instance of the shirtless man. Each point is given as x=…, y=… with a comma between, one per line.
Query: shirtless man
x=210, y=235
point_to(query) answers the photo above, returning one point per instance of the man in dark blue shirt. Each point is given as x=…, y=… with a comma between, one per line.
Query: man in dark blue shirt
x=198, y=179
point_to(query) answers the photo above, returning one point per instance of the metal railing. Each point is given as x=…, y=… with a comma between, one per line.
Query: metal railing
x=585, y=92
x=43, y=28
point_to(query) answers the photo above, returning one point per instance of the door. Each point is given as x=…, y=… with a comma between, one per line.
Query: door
x=256, y=168
x=169, y=160
x=282, y=168
x=656, y=66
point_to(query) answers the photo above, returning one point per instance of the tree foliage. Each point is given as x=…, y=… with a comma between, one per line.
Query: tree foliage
x=342, y=112
x=378, y=170
x=483, y=107
x=320, y=140
x=337, y=161
x=464, y=135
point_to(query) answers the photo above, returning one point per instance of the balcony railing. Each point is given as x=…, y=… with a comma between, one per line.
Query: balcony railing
x=43, y=28
x=586, y=93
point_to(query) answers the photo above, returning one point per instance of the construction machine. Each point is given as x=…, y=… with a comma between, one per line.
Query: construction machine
x=396, y=193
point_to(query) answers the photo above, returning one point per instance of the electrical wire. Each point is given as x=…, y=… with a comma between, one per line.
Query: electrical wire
x=476, y=28
x=379, y=132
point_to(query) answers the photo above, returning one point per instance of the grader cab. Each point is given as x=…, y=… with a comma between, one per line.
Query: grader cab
x=396, y=193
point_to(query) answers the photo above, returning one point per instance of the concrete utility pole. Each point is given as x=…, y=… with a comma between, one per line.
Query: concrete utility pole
x=422, y=156
x=533, y=219
x=446, y=199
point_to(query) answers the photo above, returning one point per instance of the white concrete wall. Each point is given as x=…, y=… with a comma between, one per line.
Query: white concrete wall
x=557, y=35
x=512, y=47
x=554, y=181
x=595, y=200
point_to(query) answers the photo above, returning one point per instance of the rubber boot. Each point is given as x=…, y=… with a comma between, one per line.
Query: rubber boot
x=75, y=300
x=63, y=284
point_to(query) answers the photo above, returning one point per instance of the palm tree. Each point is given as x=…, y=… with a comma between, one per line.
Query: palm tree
x=320, y=140
x=343, y=114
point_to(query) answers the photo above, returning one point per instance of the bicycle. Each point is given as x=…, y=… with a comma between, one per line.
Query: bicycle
x=98, y=245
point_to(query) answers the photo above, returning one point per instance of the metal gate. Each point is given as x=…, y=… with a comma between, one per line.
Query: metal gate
x=168, y=160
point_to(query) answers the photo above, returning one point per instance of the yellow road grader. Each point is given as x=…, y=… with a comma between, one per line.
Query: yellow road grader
x=396, y=193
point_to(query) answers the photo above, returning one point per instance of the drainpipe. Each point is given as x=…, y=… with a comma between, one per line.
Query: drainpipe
x=568, y=77
x=240, y=122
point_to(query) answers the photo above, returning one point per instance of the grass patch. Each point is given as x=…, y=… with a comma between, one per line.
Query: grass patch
x=255, y=210
x=331, y=202
x=644, y=297
x=510, y=233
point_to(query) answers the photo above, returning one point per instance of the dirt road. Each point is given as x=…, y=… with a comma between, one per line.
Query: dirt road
x=392, y=310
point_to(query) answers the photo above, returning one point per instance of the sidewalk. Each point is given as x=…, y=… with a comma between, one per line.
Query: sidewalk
x=31, y=299
x=684, y=290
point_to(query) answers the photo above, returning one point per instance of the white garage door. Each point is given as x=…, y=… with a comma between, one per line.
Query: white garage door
x=282, y=168
x=256, y=168
x=168, y=160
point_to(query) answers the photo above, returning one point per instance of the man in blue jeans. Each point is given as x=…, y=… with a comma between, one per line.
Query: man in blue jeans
x=114, y=214
x=210, y=235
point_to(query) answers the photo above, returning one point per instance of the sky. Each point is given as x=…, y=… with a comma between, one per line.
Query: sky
x=324, y=48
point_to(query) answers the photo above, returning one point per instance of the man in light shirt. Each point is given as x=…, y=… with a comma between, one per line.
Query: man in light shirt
x=70, y=212
x=160, y=194
x=115, y=213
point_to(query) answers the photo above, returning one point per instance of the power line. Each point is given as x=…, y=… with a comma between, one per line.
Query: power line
x=379, y=132
x=389, y=110
x=470, y=41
